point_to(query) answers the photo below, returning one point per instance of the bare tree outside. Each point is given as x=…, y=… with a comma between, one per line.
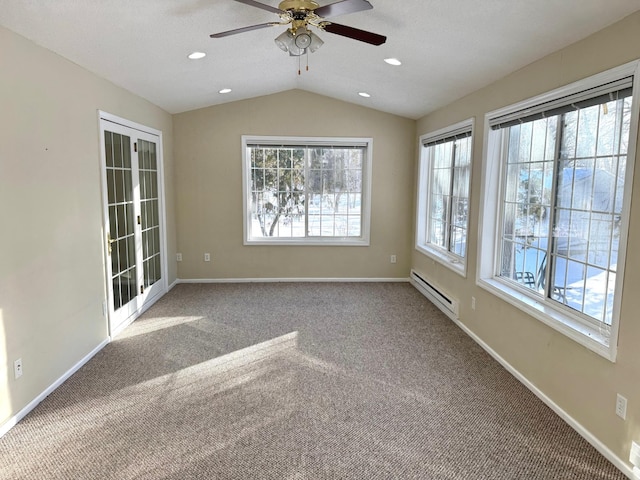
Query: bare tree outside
x=301, y=191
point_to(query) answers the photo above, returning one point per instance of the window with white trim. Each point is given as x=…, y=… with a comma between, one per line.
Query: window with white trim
x=556, y=204
x=444, y=181
x=307, y=190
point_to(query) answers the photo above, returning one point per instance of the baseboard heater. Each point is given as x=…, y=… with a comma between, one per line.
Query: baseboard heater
x=435, y=294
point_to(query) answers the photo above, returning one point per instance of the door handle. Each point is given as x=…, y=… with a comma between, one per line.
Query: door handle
x=109, y=242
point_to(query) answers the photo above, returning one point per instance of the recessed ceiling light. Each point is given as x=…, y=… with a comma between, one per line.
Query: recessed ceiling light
x=225, y=90
x=364, y=94
x=197, y=55
x=393, y=61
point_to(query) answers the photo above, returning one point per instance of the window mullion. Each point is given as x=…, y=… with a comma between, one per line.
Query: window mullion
x=307, y=162
x=548, y=280
x=429, y=194
x=449, y=213
x=278, y=192
x=499, y=227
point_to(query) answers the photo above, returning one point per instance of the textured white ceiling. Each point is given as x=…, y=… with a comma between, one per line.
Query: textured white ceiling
x=448, y=48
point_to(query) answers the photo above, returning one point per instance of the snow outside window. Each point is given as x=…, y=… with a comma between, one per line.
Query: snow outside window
x=444, y=182
x=561, y=205
x=307, y=191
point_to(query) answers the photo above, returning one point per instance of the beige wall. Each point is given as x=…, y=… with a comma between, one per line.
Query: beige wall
x=209, y=188
x=52, y=283
x=579, y=381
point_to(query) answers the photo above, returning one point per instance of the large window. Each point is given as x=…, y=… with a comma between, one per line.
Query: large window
x=307, y=191
x=443, y=195
x=564, y=166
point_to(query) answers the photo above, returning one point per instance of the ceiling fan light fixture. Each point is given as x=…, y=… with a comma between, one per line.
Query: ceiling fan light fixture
x=296, y=52
x=302, y=38
x=298, y=43
x=285, y=40
x=316, y=42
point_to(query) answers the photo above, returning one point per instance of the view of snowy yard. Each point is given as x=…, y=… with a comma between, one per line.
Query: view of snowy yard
x=301, y=192
x=563, y=204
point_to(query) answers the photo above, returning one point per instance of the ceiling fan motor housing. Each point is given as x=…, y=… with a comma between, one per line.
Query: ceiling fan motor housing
x=298, y=5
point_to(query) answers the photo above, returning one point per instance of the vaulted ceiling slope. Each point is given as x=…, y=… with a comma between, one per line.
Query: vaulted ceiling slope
x=448, y=49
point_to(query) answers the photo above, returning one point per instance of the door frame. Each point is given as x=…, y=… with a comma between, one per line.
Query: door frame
x=104, y=119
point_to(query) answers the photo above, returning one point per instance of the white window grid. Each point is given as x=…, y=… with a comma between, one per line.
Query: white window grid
x=594, y=334
x=449, y=183
x=568, y=257
x=333, y=199
x=444, y=188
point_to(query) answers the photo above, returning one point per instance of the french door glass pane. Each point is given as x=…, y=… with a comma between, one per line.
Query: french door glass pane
x=120, y=207
x=149, y=205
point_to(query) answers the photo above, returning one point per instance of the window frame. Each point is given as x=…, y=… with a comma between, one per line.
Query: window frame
x=455, y=262
x=601, y=339
x=361, y=241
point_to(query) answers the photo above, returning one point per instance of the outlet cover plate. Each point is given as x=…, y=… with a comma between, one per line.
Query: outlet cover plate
x=621, y=406
x=17, y=368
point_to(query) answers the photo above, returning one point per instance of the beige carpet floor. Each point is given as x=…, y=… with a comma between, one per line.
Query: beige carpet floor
x=295, y=381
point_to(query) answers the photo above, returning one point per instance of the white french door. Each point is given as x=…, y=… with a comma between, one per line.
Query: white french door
x=133, y=213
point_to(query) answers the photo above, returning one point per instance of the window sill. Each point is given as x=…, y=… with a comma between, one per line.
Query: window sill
x=451, y=262
x=591, y=337
x=334, y=242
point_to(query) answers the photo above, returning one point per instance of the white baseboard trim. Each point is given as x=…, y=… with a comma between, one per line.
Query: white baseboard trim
x=289, y=280
x=9, y=424
x=572, y=422
x=173, y=284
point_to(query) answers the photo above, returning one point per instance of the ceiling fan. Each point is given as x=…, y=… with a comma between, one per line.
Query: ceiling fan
x=298, y=39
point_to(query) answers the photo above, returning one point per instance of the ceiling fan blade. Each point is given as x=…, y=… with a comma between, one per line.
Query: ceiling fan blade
x=355, y=33
x=342, y=8
x=241, y=30
x=253, y=3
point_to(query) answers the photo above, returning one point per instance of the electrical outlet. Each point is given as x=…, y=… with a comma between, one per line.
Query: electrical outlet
x=473, y=303
x=621, y=406
x=178, y=257
x=393, y=259
x=207, y=257
x=17, y=368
